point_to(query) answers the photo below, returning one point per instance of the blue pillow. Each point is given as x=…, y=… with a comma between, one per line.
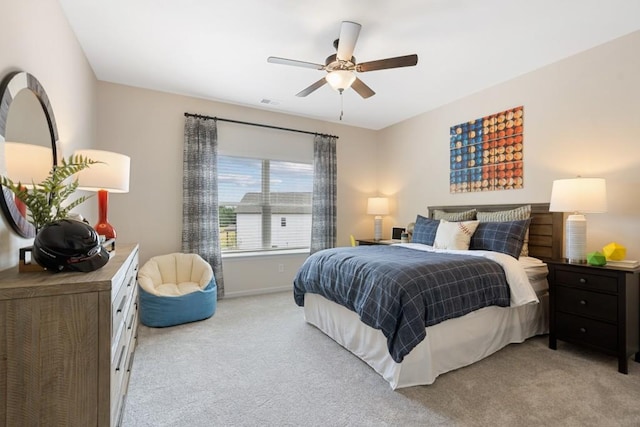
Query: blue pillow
x=506, y=237
x=425, y=230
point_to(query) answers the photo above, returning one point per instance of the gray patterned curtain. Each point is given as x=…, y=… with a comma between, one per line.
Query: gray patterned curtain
x=200, y=230
x=324, y=211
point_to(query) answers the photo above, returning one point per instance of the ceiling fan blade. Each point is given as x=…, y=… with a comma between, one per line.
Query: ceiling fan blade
x=313, y=87
x=347, y=42
x=383, y=64
x=362, y=89
x=285, y=61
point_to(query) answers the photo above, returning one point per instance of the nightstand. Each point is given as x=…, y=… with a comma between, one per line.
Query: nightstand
x=364, y=242
x=596, y=307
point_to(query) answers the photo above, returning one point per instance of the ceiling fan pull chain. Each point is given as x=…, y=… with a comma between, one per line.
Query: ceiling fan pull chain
x=341, y=104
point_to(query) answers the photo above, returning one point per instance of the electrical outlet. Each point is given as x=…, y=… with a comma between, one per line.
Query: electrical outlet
x=280, y=268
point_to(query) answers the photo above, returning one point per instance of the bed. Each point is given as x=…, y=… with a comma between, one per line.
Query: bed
x=455, y=342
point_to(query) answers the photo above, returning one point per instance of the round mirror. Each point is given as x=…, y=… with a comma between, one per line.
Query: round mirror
x=25, y=117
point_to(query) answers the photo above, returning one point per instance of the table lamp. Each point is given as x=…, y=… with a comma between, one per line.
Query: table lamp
x=377, y=206
x=110, y=176
x=28, y=165
x=579, y=196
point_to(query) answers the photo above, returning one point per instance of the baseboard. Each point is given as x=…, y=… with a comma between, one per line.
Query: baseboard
x=255, y=292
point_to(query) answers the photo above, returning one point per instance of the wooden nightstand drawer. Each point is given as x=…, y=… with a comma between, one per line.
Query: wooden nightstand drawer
x=586, y=280
x=587, y=331
x=586, y=303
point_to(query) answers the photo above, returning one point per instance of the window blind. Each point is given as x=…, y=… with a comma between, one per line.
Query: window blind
x=265, y=182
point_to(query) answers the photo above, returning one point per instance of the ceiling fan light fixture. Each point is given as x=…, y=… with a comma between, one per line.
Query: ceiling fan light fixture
x=340, y=79
x=342, y=66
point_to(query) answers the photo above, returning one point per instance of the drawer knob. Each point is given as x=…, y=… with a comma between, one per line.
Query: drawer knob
x=583, y=280
x=121, y=306
x=120, y=358
x=583, y=330
x=583, y=302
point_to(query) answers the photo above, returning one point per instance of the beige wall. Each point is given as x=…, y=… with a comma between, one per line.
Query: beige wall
x=581, y=118
x=35, y=37
x=148, y=126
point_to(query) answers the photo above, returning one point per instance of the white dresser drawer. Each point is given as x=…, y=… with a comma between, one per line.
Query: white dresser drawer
x=124, y=319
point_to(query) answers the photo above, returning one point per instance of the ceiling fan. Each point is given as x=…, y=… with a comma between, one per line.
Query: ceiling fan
x=341, y=66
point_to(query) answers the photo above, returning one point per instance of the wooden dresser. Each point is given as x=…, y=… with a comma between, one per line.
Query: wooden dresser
x=67, y=342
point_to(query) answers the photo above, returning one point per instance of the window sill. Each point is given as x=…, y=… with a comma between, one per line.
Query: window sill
x=254, y=254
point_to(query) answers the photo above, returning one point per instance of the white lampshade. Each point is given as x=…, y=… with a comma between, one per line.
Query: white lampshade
x=340, y=79
x=27, y=163
x=111, y=175
x=377, y=206
x=578, y=195
x=585, y=195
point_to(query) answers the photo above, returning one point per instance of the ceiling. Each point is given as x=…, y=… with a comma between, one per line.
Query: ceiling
x=218, y=50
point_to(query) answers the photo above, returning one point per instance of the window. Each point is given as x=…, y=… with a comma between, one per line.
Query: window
x=265, y=204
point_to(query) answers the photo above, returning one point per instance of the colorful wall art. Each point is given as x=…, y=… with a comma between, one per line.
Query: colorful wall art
x=487, y=153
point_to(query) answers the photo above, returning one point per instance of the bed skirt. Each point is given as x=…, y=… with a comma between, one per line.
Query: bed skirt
x=449, y=345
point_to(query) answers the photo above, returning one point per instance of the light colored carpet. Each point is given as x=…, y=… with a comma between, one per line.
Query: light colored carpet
x=257, y=363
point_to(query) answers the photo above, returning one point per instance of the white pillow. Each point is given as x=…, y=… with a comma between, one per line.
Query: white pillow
x=454, y=235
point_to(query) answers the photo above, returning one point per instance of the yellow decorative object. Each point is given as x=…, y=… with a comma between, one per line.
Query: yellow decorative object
x=614, y=251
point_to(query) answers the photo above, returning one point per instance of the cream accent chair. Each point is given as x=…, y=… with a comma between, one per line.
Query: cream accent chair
x=176, y=288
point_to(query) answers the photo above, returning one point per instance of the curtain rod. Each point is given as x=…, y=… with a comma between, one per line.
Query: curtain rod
x=200, y=116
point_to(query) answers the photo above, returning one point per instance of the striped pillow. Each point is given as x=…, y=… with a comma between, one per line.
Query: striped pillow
x=454, y=216
x=523, y=212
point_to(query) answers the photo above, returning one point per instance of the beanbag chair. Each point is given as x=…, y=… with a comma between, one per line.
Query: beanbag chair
x=175, y=289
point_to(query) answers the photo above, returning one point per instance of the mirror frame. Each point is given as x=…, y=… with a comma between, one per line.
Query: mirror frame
x=11, y=85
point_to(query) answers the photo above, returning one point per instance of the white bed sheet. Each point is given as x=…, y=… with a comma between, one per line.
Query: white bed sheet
x=449, y=345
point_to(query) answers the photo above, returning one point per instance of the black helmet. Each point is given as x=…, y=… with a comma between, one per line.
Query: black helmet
x=68, y=244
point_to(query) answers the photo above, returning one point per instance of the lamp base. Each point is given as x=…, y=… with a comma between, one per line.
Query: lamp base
x=22, y=208
x=377, y=228
x=103, y=227
x=576, y=239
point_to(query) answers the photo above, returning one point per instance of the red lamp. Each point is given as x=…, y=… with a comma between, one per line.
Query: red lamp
x=110, y=176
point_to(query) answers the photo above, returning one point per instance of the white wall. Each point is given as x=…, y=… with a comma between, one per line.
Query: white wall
x=35, y=37
x=148, y=126
x=581, y=117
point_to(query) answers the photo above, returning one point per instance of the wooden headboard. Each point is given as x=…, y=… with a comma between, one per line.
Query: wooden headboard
x=545, y=232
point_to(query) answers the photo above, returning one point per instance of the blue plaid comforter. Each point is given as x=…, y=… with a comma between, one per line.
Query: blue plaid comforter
x=399, y=290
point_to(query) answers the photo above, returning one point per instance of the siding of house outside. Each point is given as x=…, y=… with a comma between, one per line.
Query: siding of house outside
x=295, y=234
x=290, y=221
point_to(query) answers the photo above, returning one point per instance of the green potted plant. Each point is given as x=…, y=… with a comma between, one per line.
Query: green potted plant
x=45, y=199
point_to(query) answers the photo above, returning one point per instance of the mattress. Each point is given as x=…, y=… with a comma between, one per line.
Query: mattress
x=537, y=272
